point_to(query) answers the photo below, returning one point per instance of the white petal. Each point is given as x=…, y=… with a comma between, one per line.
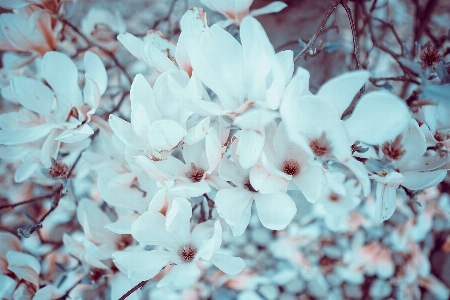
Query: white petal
x=150, y=229
x=141, y=92
x=203, y=231
x=273, y=7
x=378, y=117
x=133, y=44
x=25, y=171
x=194, y=99
x=228, y=264
x=178, y=220
x=311, y=183
x=423, y=180
x=153, y=168
x=143, y=265
x=385, y=202
x=361, y=173
x=91, y=95
x=413, y=143
x=265, y=182
x=276, y=210
x=286, y=59
x=96, y=70
x=255, y=119
x=180, y=276
x=208, y=248
x=22, y=136
x=213, y=148
x=341, y=90
x=25, y=266
x=123, y=226
x=156, y=59
x=124, y=131
x=242, y=224
x=33, y=94
x=12, y=4
x=75, y=135
x=166, y=134
x=231, y=203
x=196, y=133
x=250, y=145
x=193, y=18
x=62, y=75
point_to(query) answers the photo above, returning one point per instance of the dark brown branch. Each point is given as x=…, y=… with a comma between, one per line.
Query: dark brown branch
x=134, y=289
x=40, y=198
x=423, y=17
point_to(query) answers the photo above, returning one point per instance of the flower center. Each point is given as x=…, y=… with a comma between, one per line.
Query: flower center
x=249, y=186
x=195, y=174
x=334, y=197
x=291, y=167
x=187, y=252
x=321, y=146
x=393, y=150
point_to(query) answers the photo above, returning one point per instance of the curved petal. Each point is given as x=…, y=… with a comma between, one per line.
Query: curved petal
x=178, y=220
x=385, y=202
x=311, y=183
x=96, y=69
x=156, y=59
x=265, y=182
x=250, y=145
x=273, y=7
x=75, y=135
x=165, y=134
x=22, y=136
x=180, y=276
x=423, y=180
x=276, y=210
x=141, y=92
x=150, y=229
x=133, y=44
x=378, y=117
x=124, y=131
x=143, y=265
x=62, y=75
x=33, y=94
x=209, y=247
x=341, y=90
x=231, y=203
x=228, y=264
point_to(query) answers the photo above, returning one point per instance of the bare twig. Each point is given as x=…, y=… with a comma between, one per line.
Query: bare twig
x=134, y=289
x=36, y=199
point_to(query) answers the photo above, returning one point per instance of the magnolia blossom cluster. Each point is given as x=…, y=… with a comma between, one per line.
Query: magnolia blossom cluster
x=158, y=171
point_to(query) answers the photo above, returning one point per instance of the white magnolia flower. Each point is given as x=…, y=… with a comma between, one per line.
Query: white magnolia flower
x=184, y=247
x=275, y=209
x=405, y=165
x=314, y=121
x=237, y=10
x=62, y=114
x=283, y=162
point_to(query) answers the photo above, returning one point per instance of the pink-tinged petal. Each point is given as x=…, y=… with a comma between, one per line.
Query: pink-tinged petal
x=187, y=43
x=273, y=7
x=75, y=135
x=133, y=44
x=123, y=226
x=156, y=59
x=378, y=117
x=196, y=133
x=96, y=69
x=33, y=94
x=276, y=210
x=25, y=266
x=231, y=203
x=265, y=182
x=150, y=229
x=385, y=201
x=141, y=92
x=233, y=9
x=25, y=171
x=62, y=75
x=221, y=75
x=193, y=18
x=180, y=276
x=124, y=131
x=250, y=145
x=203, y=232
x=242, y=224
x=423, y=180
x=341, y=90
x=311, y=183
x=22, y=136
x=165, y=134
x=9, y=242
x=143, y=265
x=209, y=247
x=178, y=220
x=228, y=264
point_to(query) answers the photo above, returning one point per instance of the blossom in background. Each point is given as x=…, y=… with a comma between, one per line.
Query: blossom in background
x=237, y=10
x=183, y=247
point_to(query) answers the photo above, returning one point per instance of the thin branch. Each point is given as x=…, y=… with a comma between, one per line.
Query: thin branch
x=40, y=198
x=134, y=289
x=319, y=30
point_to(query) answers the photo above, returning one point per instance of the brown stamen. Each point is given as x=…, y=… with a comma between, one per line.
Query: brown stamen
x=196, y=174
x=291, y=167
x=393, y=150
x=187, y=252
x=321, y=146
